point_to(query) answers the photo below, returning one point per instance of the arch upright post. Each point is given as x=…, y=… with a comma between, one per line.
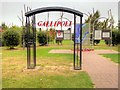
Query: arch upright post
x=34, y=39
x=28, y=45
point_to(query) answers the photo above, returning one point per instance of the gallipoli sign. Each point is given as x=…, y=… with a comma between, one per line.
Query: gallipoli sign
x=54, y=23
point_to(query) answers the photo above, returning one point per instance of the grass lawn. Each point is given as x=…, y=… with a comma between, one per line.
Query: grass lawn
x=113, y=57
x=56, y=70
x=103, y=46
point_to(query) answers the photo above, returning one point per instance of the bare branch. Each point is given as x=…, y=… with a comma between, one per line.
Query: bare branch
x=29, y=8
x=22, y=17
x=19, y=18
x=24, y=8
x=93, y=10
x=89, y=13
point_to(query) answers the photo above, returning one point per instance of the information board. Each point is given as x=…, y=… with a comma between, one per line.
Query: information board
x=59, y=34
x=67, y=35
x=106, y=34
x=98, y=34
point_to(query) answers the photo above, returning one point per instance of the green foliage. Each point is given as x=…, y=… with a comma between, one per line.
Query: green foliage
x=119, y=24
x=15, y=28
x=52, y=34
x=59, y=41
x=115, y=38
x=25, y=37
x=42, y=38
x=11, y=38
x=93, y=19
x=4, y=27
x=3, y=42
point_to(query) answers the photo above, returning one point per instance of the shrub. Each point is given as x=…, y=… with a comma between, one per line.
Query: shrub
x=2, y=42
x=115, y=38
x=11, y=38
x=59, y=41
x=52, y=34
x=96, y=42
x=25, y=36
x=42, y=38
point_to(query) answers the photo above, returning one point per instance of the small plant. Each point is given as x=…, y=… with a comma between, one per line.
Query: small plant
x=11, y=38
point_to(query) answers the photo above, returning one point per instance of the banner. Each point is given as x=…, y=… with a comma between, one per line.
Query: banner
x=84, y=34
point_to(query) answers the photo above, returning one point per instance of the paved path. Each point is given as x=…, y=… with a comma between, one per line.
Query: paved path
x=103, y=72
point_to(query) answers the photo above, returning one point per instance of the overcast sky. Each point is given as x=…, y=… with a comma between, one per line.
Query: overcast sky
x=10, y=10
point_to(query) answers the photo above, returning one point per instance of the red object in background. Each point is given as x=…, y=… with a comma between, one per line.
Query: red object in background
x=1, y=30
x=59, y=33
x=85, y=50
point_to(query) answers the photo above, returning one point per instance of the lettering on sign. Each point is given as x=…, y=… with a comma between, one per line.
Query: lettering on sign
x=54, y=23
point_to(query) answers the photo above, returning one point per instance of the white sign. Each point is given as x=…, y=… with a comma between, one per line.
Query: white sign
x=98, y=35
x=67, y=35
x=59, y=34
x=106, y=35
x=66, y=31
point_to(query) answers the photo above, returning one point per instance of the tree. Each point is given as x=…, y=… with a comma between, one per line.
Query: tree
x=108, y=23
x=4, y=26
x=22, y=20
x=11, y=38
x=119, y=24
x=27, y=37
x=42, y=38
x=92, y=19
x=52, y=34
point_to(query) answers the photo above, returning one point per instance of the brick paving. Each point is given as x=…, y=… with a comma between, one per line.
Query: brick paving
x=103, y=72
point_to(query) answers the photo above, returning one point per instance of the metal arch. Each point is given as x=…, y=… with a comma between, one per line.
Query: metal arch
x=63, y=18
x=46, y=9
